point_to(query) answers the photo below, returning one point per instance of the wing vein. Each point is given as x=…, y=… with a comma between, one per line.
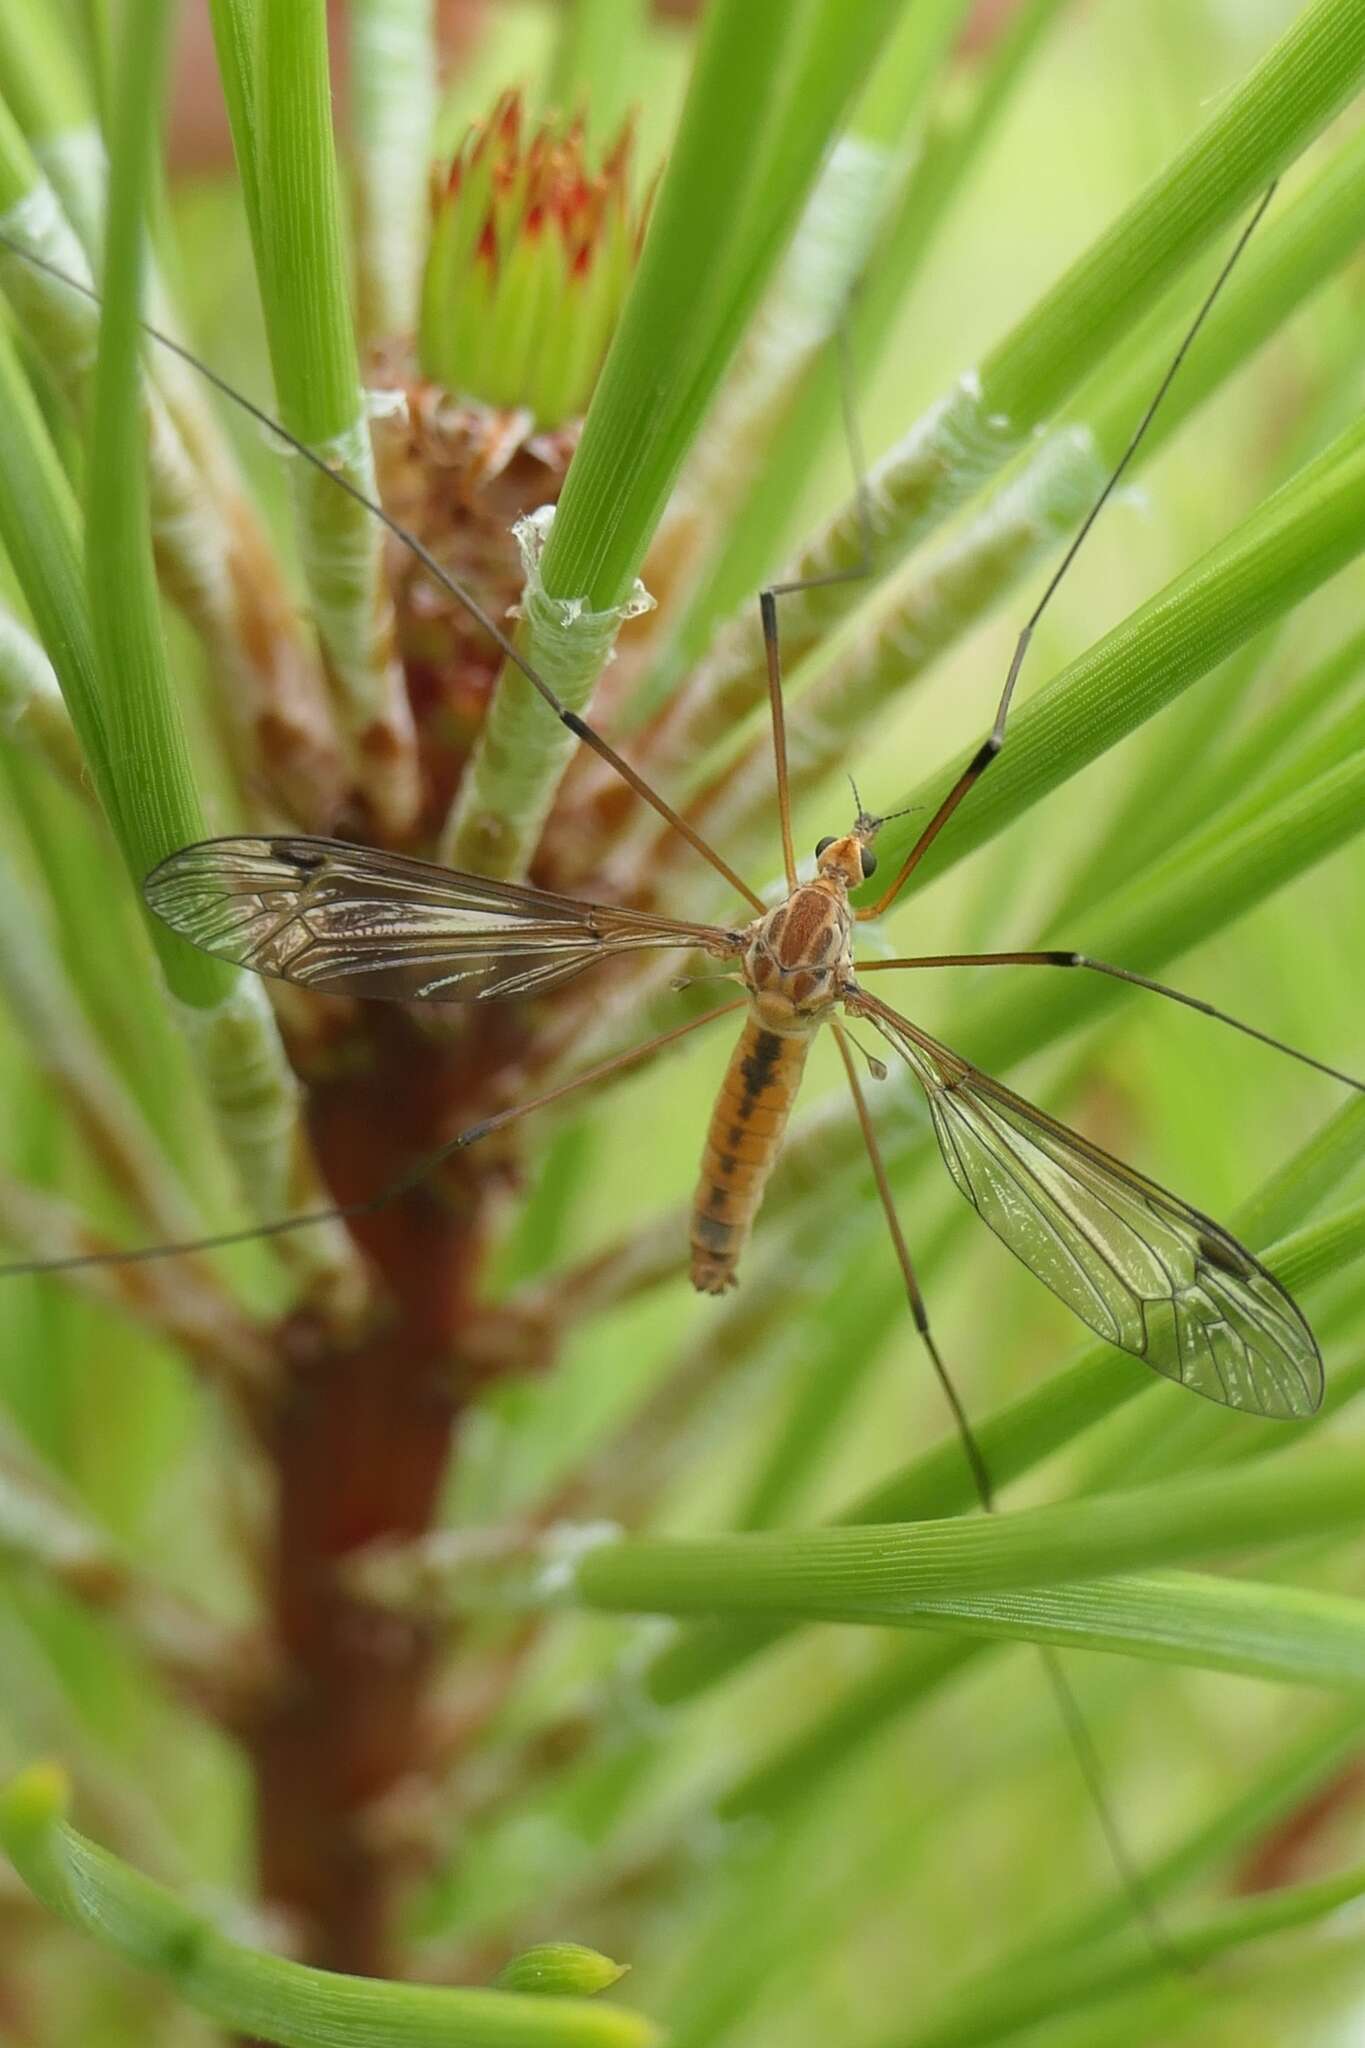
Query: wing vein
x=357, y=920
x=1146, y=1270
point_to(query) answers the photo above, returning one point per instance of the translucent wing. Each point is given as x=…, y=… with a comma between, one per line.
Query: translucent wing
x=350, y=920
x=1141, y=1267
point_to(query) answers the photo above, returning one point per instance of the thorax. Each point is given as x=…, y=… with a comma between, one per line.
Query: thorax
x=799, y=958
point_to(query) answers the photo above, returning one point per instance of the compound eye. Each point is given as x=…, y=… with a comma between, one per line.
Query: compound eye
x=821, y=844
x=869, y=861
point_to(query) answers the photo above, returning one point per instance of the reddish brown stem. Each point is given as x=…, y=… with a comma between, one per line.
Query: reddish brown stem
x=360, y=1445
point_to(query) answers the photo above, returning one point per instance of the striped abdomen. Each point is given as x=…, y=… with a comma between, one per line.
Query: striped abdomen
x=741, y=1147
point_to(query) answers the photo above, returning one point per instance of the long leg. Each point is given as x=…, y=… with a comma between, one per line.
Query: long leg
x=1064, y=958
x=1082, y=1742
x=767, y=606
x=995, y=739
x=464, y=597
x=351, y=1212
x=981, y=1478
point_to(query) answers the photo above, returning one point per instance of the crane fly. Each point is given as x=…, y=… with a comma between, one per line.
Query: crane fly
x=1137, y=1264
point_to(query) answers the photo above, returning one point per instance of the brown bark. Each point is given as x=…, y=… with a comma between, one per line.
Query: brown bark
x=363, y=1428
x=360, y=1443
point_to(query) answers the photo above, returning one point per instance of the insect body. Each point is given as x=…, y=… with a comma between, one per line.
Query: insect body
x=797, y=965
